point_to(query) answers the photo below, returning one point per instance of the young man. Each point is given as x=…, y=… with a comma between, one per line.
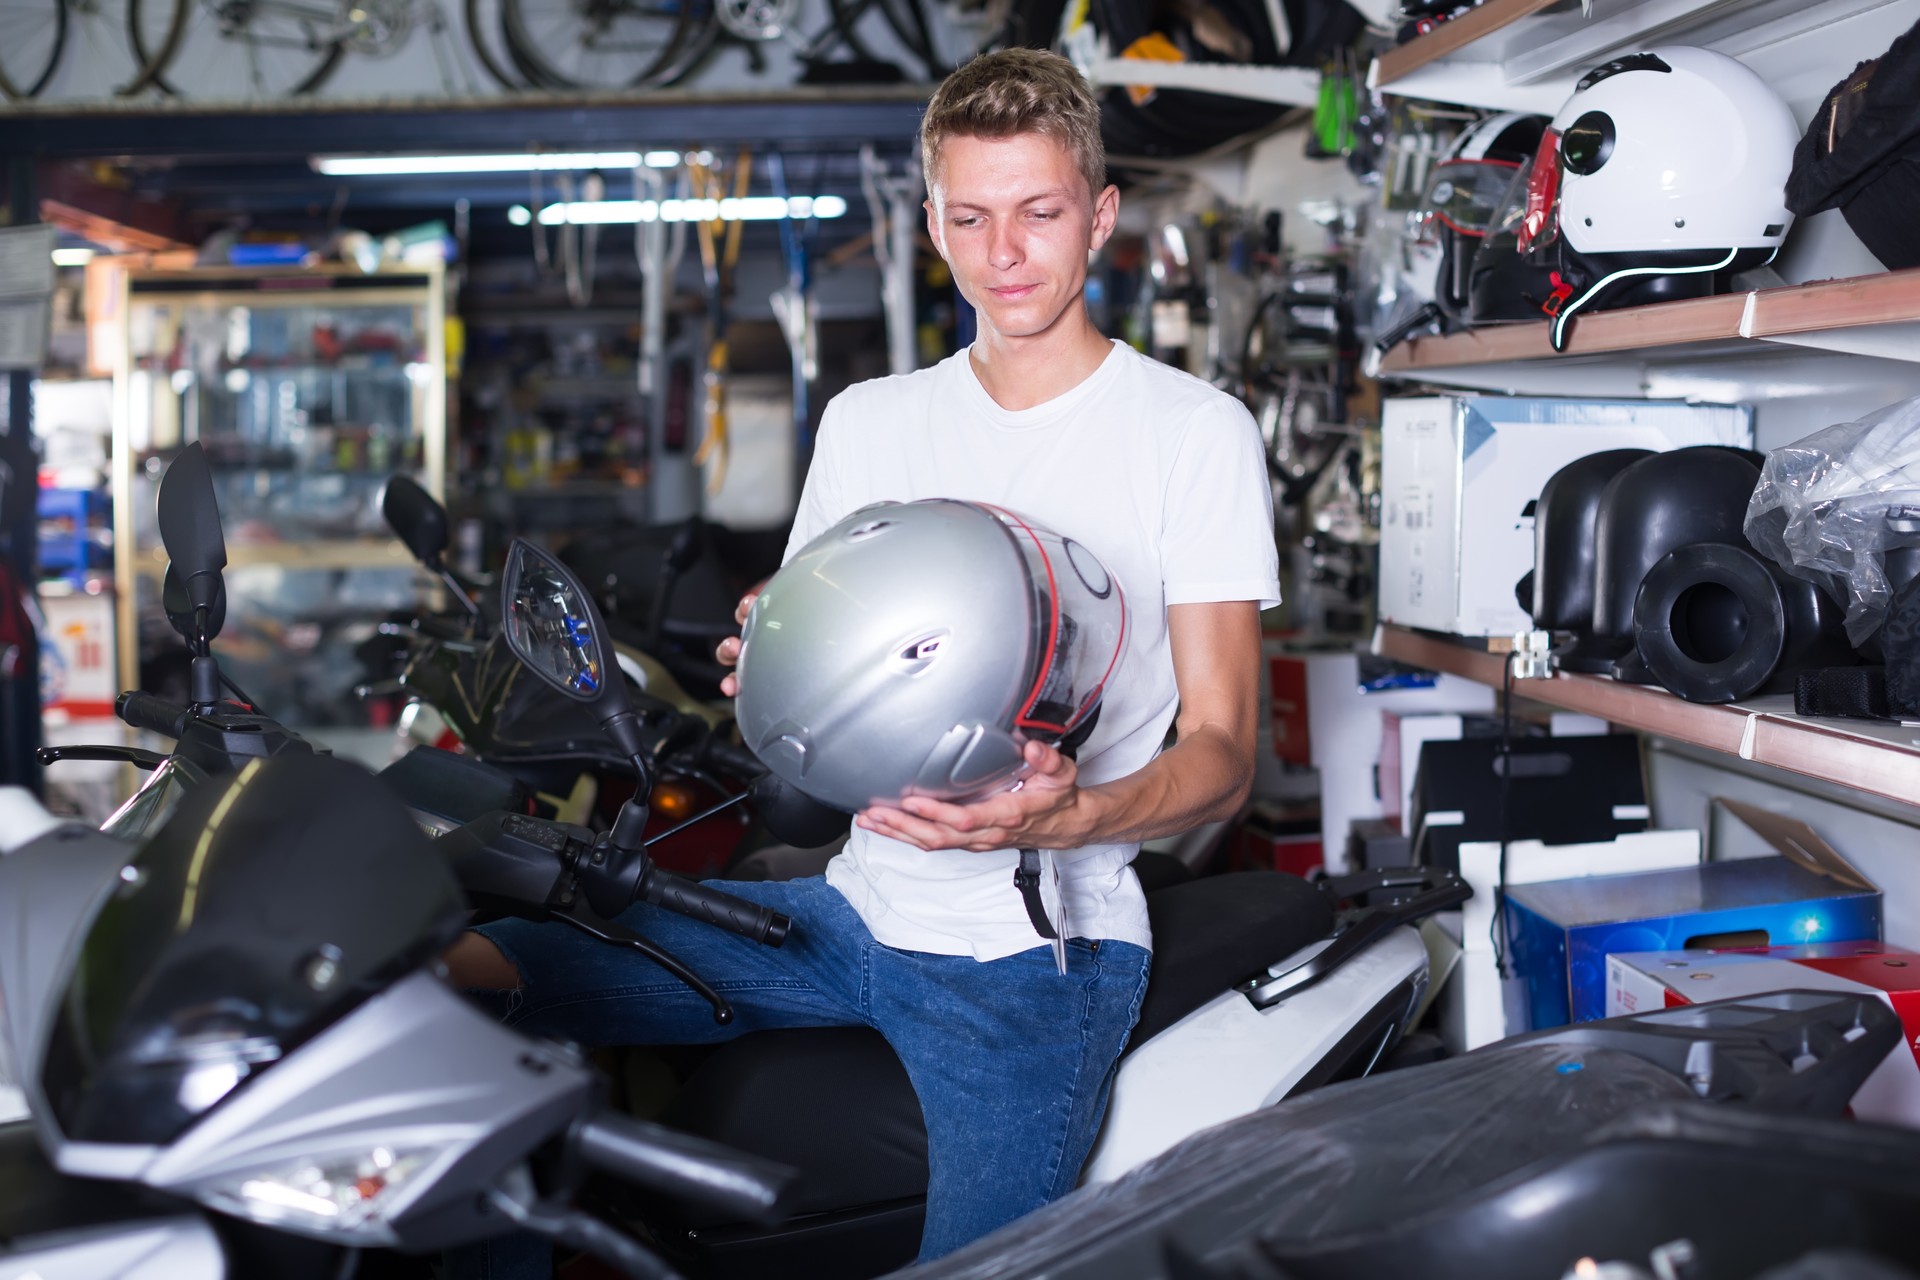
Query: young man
x=917, y=928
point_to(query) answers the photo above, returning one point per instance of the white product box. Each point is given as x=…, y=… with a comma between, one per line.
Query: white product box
x=1459, y=475
x=1473, y=1007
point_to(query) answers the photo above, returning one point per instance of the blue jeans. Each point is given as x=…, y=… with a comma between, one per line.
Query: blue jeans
x=1012, y=1062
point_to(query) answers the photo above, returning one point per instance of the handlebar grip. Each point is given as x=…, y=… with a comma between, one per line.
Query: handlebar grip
x=682, y=1165
x=157, y=715
x=748, y=919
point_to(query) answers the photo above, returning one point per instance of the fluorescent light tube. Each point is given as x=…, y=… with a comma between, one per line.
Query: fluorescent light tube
x=391, y=166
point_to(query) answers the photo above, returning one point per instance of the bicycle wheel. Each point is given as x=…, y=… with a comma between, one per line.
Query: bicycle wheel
x=32, y=33
x=483, y=28
x=237, y=50
x=594, y=44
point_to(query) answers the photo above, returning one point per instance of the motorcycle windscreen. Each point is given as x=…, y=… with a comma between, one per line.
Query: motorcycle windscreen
x=270, y=904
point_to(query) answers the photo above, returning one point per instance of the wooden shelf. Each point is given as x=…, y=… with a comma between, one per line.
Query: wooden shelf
x=1840, y=315
x=1883, y=759
x=1452, y=36
x=1526, y=55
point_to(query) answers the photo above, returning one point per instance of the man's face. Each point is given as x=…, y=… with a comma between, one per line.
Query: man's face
x=1015, y=222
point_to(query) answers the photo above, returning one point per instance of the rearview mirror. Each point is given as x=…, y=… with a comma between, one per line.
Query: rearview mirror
x=190, y=527
x=173, y=598
x=419, y=520
x=551, y=625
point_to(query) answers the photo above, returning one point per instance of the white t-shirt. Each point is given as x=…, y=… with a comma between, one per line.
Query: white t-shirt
x=1164, y=478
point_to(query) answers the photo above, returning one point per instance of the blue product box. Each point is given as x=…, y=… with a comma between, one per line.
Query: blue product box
x=1560, y=933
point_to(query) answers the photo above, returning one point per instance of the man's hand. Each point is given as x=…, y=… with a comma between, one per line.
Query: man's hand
x=728, y=652
x=1047, y=811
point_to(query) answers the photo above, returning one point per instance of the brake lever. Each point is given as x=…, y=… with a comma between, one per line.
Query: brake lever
x=135, y=756
x=581, y=917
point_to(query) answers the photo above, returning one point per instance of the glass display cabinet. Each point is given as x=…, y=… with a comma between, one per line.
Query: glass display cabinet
x=307, y=389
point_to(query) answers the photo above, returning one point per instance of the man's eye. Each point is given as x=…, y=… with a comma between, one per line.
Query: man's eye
x=1046, y=215
x=966, y=222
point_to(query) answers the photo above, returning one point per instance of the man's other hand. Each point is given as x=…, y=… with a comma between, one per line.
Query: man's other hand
x=728, y=652
x=1044, y=812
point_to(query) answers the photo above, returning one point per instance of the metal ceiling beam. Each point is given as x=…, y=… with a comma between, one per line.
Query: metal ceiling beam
x=800, y=117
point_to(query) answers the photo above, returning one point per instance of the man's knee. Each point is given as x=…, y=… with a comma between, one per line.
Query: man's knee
x=474, y=963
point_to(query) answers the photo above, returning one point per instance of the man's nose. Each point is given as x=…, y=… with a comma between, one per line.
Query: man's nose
x=1003, y=250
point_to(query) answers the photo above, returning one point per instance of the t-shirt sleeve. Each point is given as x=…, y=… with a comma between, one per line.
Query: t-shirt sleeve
x=1217, y=540
x=821, y=504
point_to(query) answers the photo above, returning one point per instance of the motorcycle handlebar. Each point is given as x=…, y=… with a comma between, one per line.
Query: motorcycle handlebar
x=681, y=1165
x=748, y=919
x=157, y=715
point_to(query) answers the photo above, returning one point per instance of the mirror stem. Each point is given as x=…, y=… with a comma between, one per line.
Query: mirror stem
x=459, y=592
x=204, y=681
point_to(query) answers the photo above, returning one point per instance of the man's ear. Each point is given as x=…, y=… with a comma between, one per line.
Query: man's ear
x=1106, y=213
x=935, y=231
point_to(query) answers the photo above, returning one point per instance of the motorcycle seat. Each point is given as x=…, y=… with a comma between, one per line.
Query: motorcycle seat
x=859, y=1138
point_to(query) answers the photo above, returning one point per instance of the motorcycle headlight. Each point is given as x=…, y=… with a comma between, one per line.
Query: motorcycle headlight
x=344, y=1194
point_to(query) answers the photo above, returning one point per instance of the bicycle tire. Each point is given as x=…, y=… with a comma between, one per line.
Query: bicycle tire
x=908, y=19
x=476, y=37
x=540, y=67
x=154, y=67
x=10, y=86
x=846, y=19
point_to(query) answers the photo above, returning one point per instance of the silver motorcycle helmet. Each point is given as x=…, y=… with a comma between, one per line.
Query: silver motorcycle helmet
x=914, y=648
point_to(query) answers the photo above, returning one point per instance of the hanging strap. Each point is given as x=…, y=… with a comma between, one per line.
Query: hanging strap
x=1026, y=878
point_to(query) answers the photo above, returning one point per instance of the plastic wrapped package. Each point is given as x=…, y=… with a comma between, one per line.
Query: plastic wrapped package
x=1831, y=507
x=1319, y=1167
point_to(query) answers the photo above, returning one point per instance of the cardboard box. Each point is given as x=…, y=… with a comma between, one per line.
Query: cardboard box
x=1561, y=932
x=1459, y=475
x=1474, y=1010
x=1277, y=838
x=1562, y=791
x=1642, y=980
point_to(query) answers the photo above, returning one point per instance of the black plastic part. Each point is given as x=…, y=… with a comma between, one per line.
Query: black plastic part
x=1564, y=550
x=190, y=531
x=1566, y=790
x=1650, y=508
x=420, y=521
x=453, y=787
x=683, y=1166
x=1422, y=891
x=1717, y=623
x=703, y=902
x=793, y=816
x=508, y=862
x=1786, y=1051
x=280, y=877
x=135, y=756
x=869, y=1240
x=154, y=714
x=179, y=608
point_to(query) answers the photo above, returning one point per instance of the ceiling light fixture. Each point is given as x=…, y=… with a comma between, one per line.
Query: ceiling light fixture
x=744, y=209
x=526, y=162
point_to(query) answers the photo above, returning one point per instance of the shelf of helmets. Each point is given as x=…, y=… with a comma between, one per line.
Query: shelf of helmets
x=1526, y=55
x=1881, y=759
x=1614, y=352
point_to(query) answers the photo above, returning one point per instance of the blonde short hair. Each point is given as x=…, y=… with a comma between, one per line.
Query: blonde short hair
x=1014, y=91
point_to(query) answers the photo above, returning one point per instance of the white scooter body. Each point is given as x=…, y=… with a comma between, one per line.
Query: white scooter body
x=1228, y=1058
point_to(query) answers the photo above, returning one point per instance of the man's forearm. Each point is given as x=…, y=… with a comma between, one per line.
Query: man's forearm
x=1205, y=777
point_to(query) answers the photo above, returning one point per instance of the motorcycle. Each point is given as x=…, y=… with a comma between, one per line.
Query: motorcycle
x=1264, y=986
x=467, y=692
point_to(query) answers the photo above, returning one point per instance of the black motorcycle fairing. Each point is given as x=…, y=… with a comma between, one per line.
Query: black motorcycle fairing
x=241, y=929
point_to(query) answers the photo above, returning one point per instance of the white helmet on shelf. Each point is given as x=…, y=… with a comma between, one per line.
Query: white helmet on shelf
x=1668, y=163
x=913, y=648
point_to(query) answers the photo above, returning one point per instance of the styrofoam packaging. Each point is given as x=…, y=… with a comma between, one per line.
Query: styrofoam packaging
x=1473, y=1008
x=1459, y=474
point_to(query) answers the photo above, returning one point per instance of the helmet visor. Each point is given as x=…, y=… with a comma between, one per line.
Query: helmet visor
x=1464, y=195
x=1541, y=221
x=1079, y=624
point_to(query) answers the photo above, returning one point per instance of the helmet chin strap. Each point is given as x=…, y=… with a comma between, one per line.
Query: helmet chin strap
x=1557, y=330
